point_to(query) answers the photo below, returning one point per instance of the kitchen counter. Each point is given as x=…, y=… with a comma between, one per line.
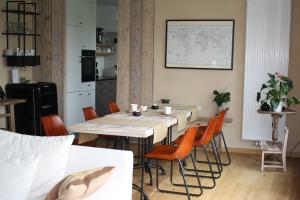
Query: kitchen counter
x=105, y=78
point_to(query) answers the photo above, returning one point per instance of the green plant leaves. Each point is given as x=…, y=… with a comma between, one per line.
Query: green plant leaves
x=258, y=96
x=221, y=97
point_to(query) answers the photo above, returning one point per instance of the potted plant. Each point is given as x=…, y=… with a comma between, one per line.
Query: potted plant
x=274, y=93
x=221, y=98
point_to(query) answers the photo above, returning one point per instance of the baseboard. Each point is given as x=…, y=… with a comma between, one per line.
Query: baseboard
x=258, y=152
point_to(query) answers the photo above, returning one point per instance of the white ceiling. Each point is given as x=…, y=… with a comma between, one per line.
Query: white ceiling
x=107, y=2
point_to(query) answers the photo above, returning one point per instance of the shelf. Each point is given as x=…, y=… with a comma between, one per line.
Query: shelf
x=104, y=45
x=21, y=61
x=20, y=12
x=21, y=34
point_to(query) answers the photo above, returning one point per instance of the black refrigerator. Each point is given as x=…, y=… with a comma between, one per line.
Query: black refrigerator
x=41, y=101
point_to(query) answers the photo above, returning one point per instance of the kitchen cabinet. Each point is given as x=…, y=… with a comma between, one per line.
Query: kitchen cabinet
x=105, y=92
x=77, y=101
x=73, y=12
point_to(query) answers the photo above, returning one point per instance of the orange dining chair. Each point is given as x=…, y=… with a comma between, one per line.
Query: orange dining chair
x=203, y=140
x=54, y=126
x=219, y=132
x=178, y=153
x=89, y=114
x=113, y=107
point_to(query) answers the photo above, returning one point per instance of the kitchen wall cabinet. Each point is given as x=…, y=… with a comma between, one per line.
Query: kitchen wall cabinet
x=77, y=101
x=105, y=92
x=73, y=12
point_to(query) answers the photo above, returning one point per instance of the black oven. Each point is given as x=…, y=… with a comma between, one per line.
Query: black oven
x=88, y=65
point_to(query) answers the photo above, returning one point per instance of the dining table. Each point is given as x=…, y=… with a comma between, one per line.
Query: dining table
x=151, y=127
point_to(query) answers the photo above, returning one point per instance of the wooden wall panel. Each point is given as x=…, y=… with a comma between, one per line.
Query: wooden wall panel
x=123, y=53
x=148, y=52
x=135, y=52
x=136, y=36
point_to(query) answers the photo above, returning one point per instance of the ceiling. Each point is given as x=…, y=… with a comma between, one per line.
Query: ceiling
x=107, y=2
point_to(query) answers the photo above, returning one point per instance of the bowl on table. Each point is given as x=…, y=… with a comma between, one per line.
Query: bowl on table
x=154, y=107
x=136, y=113
x=165, y=101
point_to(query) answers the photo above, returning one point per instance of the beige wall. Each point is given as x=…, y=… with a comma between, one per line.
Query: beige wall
x=196, y=86
x=294, y=72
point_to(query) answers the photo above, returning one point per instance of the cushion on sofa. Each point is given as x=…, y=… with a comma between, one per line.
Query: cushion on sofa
x=17, y=173
x=80, y=185
x=54, y=153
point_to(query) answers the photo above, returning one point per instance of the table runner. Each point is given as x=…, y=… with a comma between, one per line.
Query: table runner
x=160, y=129
x=180, y=116
x=192, y=108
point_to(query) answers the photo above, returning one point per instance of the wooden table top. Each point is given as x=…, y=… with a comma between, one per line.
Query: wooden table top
x=10, y=101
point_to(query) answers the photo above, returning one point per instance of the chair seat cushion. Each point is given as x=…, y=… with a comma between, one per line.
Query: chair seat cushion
x=162, y=152
x=198, y=136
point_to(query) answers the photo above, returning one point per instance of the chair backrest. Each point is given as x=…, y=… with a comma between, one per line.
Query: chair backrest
x=113, y=107
x=285, y=140
x=186, y=143
x=209, y=131
x=53, y=126
x=89, y=113
x=220, y=122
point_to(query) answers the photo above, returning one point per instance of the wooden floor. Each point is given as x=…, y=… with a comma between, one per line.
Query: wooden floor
x=242, y=180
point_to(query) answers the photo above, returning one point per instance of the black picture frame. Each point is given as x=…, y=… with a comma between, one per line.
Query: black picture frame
x=205, y=22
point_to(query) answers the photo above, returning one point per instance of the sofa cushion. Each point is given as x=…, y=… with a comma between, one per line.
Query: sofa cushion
x=54, y=153
x=80, y=185
x=17, y=173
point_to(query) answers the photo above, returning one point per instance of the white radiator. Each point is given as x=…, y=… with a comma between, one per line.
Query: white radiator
x=267, y=51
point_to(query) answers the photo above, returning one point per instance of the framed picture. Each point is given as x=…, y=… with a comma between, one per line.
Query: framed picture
x=199, y=44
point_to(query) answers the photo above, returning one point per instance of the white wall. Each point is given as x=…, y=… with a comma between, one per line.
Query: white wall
x=107, y=18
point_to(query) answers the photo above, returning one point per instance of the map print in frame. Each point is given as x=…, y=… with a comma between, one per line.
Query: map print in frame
x=199, y=44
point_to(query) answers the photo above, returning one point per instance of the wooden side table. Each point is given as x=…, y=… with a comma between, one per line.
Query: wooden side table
x=276, y=116
x=9, y=105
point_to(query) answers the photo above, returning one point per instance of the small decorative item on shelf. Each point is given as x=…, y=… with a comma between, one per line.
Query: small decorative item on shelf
x=273, y=94
x=221, y=98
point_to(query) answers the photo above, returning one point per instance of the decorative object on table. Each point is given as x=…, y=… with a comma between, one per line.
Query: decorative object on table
x=165, y=101
x=136, y=113
x=155, y=107
x=274, y=93
x=221, y=98
x=168, y=110
x=199, y=44
x=143, y=108
x=133, y=107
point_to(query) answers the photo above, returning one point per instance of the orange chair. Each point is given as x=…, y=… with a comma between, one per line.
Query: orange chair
x=219, y=132
x=177, y=153
x=203, y=140
x=89, y=114
x=113, y=107
x=54, y=126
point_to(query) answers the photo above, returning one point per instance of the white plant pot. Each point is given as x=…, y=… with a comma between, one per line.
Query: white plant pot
x=279, y=107
x=222, y=107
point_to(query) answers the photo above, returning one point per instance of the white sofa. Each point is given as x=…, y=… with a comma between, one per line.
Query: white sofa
x=119, y=186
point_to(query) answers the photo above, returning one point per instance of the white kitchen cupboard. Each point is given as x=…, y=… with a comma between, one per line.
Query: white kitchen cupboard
x=73, y=13
x=80, y=35
x=77, y=101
